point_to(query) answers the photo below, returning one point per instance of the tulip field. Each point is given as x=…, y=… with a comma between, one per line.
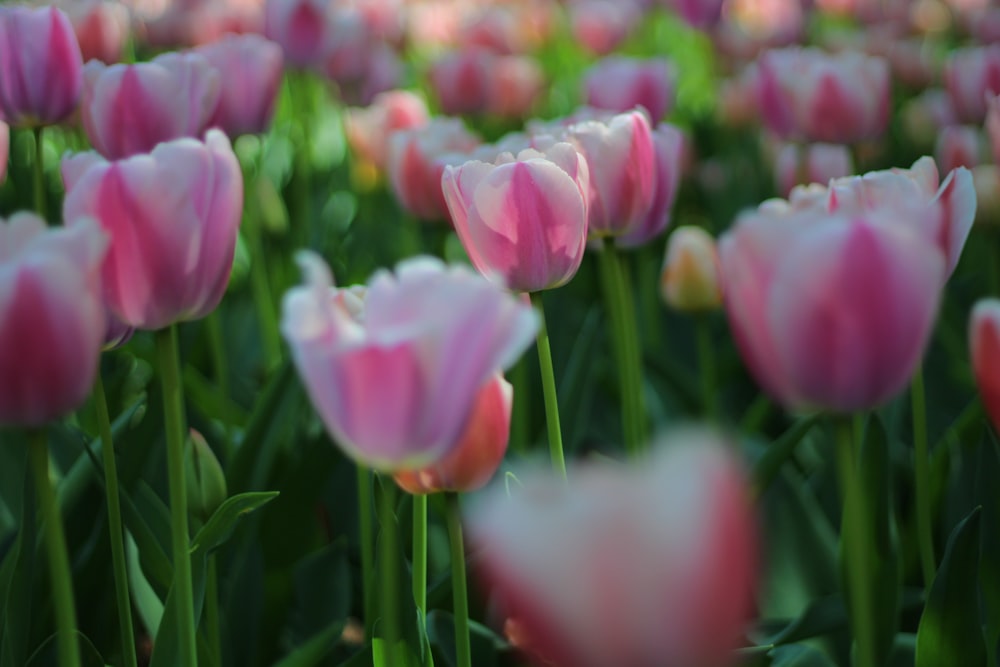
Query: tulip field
x=500, y=333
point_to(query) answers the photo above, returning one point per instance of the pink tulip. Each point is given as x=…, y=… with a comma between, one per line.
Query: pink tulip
x=4, y=149
x=971, y=75
x=417, y=158
x=479, y=81
x=984, y=345
x=958, y=146
x=395, y=376
x=626, y=565
x=814, y=163
x=523, y=220
x=668, y=147
x=479, y=452
x=993, y=126
x=925, y=115
x=622, y=160
x=51, y=318
x=172, y=216
x=619, y=83
x=697, y=13
x=300, y=27
x=600, y=26
x=810, y=95
x=40, y=66
x=832, y=296
x=250, y=69
x=129, y=109
x=101, y=28
x=368, y=129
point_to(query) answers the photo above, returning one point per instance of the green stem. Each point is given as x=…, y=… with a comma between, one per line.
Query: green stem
x=463, y=647
x=55, y=541
x=519, y=418
x=922, y=477
x=213, y=626
x=174, y=425
x=115, y=526
x=260, y=283
x=39, y=172
x=366, y=535
x=854, y=528
x=706, y=365
x=549, y=390
x=420, y=552
x=389, y=580
x=621, y=311
x=217, y=342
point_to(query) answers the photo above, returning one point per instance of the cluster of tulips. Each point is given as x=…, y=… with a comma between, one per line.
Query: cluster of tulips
x=667, y=529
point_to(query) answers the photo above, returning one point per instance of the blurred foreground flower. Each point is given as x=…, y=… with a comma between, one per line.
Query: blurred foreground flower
x=631, y=566
x=971, y=76
x=481, y=449
x=172, y=216
x=51, y=317
x=394, y=370
x=619, y=83
x=984, y=346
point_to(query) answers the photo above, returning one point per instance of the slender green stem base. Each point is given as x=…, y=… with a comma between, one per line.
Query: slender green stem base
x=41, y=206
x=520, y=416
x=922, y=478
x=115, y=526
x=55, y=542
x=706, y=365
x=854, y=529
x=389, y=579
x=260, y=281
x=366, y=535
x=628, y=353
x=174, y=425
x=549, y=390
x=463, y=646
x=420, y=552
x=212, y=623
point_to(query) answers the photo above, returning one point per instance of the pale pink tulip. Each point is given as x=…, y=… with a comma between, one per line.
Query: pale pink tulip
x=475, y=80
x=993, y=126
x=813, y=163
x=250, y=69
x=173, y=218
x=600, y=26
x=129, y=109
x=40, y=66
x=51, y=318
x=368, y=129
x=971, y=75
x=101, y=27
x=697, y=13
x=959, y=146
x=395, y=377
x=669, y=147
x=651, y=564
x=984, y=346
x=300, y=27
x=620, y=83
x=523, y=219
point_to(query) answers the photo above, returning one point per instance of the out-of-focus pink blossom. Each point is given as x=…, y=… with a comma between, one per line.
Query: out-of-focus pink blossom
x=600, y=26
x=959, y=146
x=300, y=27
x=250, y=69
x=750, y=26
x=101, y=28
x=984, y=347
x=479, y=81
x=813, y=163
x=619, y=83
x=651, y=564
x=925, y=115
x=993, y=126
x=369, y=128
x=697, y=13
x=971, y=75
x=689, y=281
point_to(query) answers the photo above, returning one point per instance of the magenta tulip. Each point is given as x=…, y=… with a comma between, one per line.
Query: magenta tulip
x=395, y=374
x=51, y=318
x=172, y=217
x=250, y=69
x=129, y=109
x=619, y=83
x=300, y=27
x=984, y=346
x=101, y=28
x=40, y=66
x=626, y=565
x=522, y=220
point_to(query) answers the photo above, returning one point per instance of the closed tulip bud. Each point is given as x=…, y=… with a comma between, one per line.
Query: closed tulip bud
x=172, y=216
x=619, y=83
x=129, y=109
x=523, y=220
x=479, y=452
x=669, y=147
x=300, y=27
x=628, y=565
x=206, y=482
x=600, y=26
x=40, y=66
x=368, y=129
x=51, y=317
x=101, y=28
x=395, y=375
x=815, y=163
x=958, y=146
x=690, y=278
x=250, y=69
x=984, y=344
x=971, y=75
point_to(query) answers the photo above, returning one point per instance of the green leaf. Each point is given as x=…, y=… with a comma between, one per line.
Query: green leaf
x=167, y=641
x=16, y=577
x=485, y=643
x=950, y=631
x=152, y=552
x=800, y=655
x=769, y=465
x=313, y=651
x=322, y=591
x=821, y=617
x=223, y=521
x=988, y=493
x=48, y=653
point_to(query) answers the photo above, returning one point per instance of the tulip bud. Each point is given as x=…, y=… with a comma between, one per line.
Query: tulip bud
x=478, y=453
x=690, y=277
x=206, y=483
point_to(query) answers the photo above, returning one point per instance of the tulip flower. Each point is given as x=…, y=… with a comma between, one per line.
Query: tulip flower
x=129, y=109
x=368, y=129
x=416, y=161
x=250, y=69
x=809, y=95
x=4, y=149
x=101, y=28
x=523, y=220
x=300, y=27
x=650, y=565
x=984, y=344
x=395, y=378
x=971, y=75
x=172, y=217
x=51, y=317
x=690, y=278
x=40, y=66
x=958, y=146
x=479, y=81
x=618, y=83
x=697, y=13
x=601, y=25
x=668, y=149
x=814, y=163
x=479, y=452
x=832, y=305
